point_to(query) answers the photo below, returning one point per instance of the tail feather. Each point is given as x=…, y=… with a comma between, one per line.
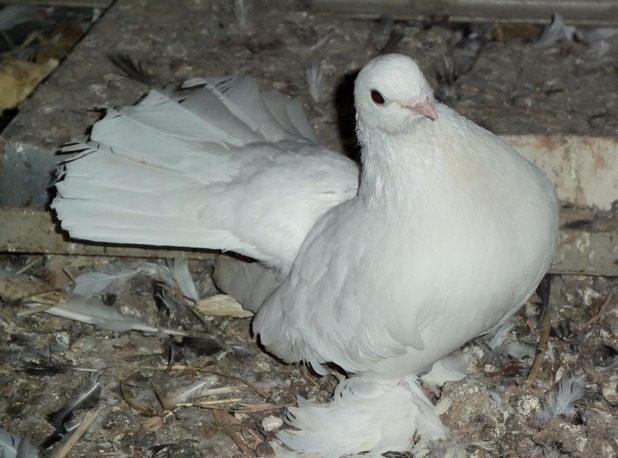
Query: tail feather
x=199, y=116
x=127, y=137
x=178, y=120
x=293, y=117
x=266, y=113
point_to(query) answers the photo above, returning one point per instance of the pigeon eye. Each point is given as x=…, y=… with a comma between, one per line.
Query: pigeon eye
x=377, y=97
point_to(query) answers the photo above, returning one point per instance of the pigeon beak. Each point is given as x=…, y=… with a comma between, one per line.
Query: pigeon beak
x=424, y=108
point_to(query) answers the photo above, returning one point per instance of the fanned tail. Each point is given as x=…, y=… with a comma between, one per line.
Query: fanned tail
x=221, y=166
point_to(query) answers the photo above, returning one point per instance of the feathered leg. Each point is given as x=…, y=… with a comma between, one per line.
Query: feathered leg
x=250, y=283
x=365, y=416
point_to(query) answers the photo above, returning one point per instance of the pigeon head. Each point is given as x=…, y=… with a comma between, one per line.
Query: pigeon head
x=390, y=92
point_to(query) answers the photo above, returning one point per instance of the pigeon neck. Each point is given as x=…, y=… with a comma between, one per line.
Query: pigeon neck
x=393, y=169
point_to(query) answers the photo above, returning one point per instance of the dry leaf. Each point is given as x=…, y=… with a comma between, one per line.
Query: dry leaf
x=20, y=289
x=18, y=79
x=222, y=305
x=152, y=424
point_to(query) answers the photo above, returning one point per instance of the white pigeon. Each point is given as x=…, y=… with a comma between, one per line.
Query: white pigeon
x=443, y=233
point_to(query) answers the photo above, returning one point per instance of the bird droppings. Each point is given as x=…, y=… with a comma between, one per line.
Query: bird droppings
x=525, y=404
x=272, y=423
x=610, y=389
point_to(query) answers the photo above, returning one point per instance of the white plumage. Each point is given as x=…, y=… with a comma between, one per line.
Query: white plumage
x=224, y=167
x=445, y=232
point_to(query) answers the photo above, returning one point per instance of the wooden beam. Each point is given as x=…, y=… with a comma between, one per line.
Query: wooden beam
x=590, y=12
x=34, y=231
x=583, y=169
x=68, y=3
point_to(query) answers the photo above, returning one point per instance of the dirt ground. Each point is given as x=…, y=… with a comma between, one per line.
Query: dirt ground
x=500, y=80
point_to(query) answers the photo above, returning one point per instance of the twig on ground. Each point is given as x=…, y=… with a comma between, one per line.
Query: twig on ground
x=76, y=435
x=598, y=316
